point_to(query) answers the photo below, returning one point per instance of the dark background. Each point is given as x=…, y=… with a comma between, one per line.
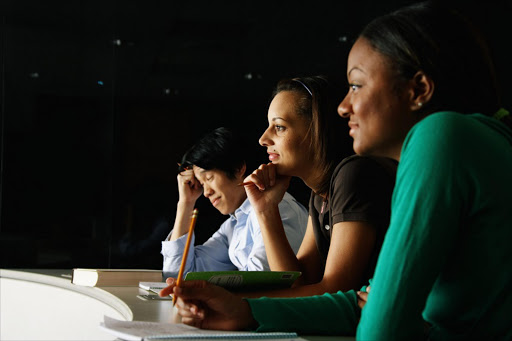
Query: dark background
x=99, y=100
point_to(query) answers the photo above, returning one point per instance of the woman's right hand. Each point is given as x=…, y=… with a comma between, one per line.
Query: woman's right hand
x=189, y=187
x=265, y=188
x=208, y=306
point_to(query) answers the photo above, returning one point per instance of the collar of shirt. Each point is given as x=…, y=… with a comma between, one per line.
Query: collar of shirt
x=243, y=209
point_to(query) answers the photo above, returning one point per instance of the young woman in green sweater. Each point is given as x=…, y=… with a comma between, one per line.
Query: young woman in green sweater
x=422, y=91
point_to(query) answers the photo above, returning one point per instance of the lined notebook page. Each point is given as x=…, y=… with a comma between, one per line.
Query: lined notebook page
x=142, y=330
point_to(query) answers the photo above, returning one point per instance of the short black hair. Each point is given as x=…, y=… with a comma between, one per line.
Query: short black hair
x=220, y=149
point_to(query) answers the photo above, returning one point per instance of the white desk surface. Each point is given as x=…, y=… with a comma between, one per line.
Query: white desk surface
x=123, y=299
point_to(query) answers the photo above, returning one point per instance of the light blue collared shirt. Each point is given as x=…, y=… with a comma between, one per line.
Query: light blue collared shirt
x=237, y=244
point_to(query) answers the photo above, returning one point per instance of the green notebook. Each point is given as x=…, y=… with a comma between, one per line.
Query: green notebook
x=247, y=280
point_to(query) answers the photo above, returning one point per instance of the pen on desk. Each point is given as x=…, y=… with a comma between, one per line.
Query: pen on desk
x=185, y=252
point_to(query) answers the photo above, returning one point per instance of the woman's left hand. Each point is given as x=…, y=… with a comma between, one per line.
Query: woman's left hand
x=362, y=297
x=265, y=188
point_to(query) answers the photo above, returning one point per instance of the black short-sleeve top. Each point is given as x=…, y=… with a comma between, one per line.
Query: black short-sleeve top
x=360, y=190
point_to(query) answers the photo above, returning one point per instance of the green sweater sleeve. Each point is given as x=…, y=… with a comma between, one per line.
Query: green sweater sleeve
x=425, y=259
x=328, y=314
x=424, y=221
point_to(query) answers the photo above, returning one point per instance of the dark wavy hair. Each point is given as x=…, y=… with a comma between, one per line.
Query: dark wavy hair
x=327, y=132
x=442, y=43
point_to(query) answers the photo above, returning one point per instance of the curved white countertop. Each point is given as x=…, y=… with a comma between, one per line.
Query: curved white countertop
x=42, y=304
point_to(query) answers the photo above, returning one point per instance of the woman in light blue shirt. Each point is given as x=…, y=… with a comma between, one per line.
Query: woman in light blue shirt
x=214, y=167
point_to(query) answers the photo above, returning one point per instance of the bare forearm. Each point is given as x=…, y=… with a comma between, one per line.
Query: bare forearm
x=279, y=252
x=319, y=288
x=182, y=221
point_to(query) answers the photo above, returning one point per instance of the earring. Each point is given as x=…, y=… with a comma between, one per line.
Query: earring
x=420, y=104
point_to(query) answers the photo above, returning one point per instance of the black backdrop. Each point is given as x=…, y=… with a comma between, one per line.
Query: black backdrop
x=99, y=99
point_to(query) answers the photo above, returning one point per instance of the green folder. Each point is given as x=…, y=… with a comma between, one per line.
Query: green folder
x=247, y=280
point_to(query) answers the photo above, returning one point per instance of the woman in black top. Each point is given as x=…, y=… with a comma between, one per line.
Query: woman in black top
x=350, y=201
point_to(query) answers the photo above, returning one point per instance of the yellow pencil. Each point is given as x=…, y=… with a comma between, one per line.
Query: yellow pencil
x=185, y=252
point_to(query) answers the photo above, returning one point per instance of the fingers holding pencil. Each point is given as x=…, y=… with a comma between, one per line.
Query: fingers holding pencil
x=171, y=283
x=208, y=306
